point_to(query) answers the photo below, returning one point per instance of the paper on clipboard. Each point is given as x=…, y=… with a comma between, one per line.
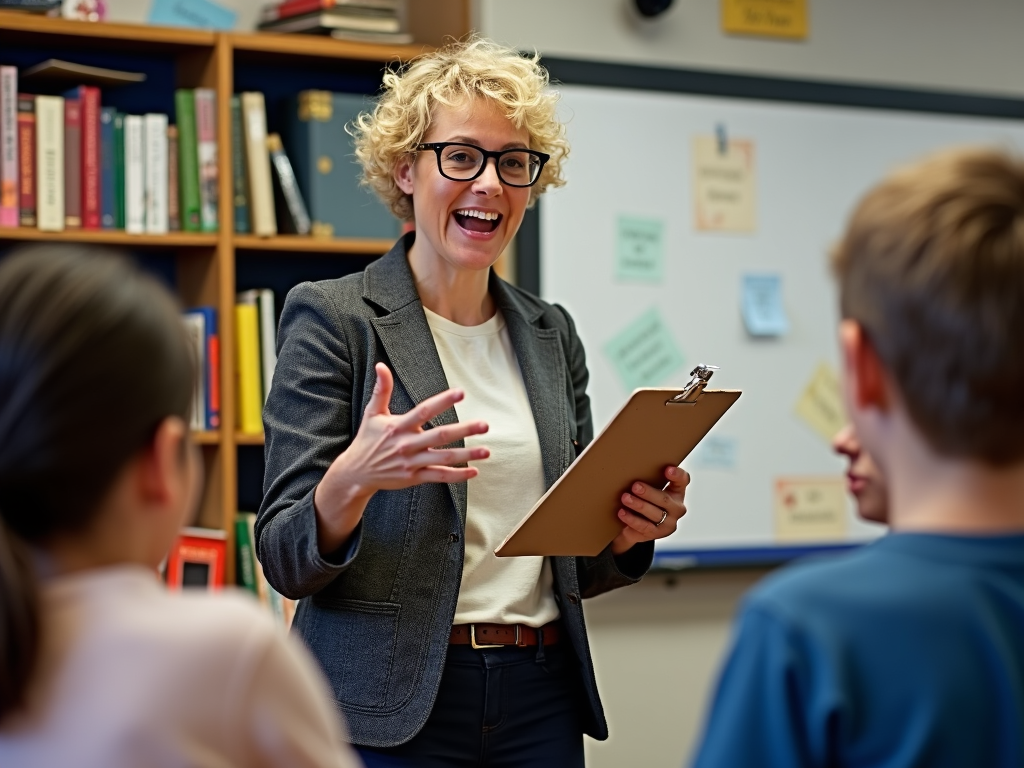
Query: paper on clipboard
x=653, y=430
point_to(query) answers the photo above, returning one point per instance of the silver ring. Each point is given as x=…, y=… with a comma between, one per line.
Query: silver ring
x=664, y=516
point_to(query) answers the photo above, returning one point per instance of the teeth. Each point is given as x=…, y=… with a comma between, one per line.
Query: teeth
x=485, y=215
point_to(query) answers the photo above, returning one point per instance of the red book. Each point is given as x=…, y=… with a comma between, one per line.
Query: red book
x=27, y=159
x=72, y=161
x=197, y=559
x=213, y=385
x=89, y=101
x=289, y=8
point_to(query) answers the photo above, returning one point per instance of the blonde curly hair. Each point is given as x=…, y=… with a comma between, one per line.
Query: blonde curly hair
x=449, y=76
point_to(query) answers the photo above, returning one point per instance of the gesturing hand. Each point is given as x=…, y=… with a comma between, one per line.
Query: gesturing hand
x=390, y=452
x=651, y=513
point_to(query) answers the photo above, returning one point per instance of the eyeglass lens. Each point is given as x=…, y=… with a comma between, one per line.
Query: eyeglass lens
x=462, y=162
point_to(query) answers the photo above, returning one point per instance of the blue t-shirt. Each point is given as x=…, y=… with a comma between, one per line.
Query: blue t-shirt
x=906, y=652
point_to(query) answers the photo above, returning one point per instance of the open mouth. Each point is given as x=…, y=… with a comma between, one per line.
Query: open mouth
x=473, y=220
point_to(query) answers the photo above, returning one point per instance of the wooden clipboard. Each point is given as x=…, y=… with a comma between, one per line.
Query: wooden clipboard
x=656, y=428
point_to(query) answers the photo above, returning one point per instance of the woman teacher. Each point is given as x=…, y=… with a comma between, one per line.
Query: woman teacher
x=418, y=411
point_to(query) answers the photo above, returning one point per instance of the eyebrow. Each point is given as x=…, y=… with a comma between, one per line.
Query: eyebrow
x=471, y=140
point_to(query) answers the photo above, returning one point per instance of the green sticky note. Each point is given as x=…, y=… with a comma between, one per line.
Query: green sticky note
x=645, y=353
x=639, y=249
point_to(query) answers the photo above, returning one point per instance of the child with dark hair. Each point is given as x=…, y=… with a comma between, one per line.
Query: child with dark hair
x=99, y=665
x=909, y=651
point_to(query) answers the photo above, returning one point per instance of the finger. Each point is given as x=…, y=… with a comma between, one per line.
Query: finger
x=657, y=497
x=678, y=478
x=432, y=438
x=445, y=474
x=644, y=527
x=645, y=508
x=382, y=388
x=429, y=408
x=449, y=457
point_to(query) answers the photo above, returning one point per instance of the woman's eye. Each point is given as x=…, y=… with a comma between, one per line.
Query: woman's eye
x=460, y=157
x=513, y=163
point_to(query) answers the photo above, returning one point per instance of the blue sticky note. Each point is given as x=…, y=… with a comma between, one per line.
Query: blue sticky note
x=713, y=452
x=763, y=311
x=644, y=353
x=203, y=14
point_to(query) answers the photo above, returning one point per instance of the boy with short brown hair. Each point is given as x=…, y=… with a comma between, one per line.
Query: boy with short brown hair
x=910, y=651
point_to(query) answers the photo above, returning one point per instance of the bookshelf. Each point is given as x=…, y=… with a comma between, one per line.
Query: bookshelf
x=208, y=269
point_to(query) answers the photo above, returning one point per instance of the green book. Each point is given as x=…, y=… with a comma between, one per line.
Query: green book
x=188, y=160
x=239, y=173
x=119, y=171
x=246, y=565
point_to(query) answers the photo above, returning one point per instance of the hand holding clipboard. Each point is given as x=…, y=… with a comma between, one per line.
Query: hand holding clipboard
x=655, y=429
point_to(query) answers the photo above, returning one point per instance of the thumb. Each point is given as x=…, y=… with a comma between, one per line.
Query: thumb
x=381, y=396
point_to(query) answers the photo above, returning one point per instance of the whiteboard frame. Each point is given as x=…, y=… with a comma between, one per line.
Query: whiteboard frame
x=707, y=83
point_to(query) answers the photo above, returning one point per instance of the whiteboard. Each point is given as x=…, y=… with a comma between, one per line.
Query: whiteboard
x=630, y=155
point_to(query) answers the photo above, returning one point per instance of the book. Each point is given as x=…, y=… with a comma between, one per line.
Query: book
x=155, y=133
x=261, y=192
x=245, y=554
x=206, y=147
x=195, y=327
x=173, y=204
x=324, y=22
x=322, y=156
x=134, y=175
x=295, y=218
x=247, y=345
x=57, y=70
x=188, y=160
x=27, y=159
x=108, y=179
x=209, y=356
x=10, y=209
x=272, y=12
x=88, y=99
x=197, y=559
x=239, y=175
x=119, y=219
x=72, y=162
x=50, y=163
x=390, y=38
x=268, y=338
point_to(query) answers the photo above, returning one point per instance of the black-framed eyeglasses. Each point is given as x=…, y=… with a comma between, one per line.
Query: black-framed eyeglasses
x=465, y=162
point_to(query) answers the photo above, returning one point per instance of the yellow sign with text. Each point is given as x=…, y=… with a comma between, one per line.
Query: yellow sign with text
x=772, y=18
x=724, y=190
x=810, y=509
x=821, y=403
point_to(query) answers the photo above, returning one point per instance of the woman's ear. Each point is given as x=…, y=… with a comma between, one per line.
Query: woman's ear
x=404, y=174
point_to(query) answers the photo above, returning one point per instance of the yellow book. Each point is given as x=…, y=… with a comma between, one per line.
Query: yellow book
x=250, y=389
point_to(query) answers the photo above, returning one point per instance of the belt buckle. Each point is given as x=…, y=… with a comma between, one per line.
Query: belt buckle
x=475, y=644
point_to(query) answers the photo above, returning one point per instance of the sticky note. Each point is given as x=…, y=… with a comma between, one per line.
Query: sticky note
x=821, y=403
x=204, y=14
x=724, y=185
x=644, y=354
x=763, y=311
x=639, y=249
x=810, y=509
x=713, y=452
x=771, y=18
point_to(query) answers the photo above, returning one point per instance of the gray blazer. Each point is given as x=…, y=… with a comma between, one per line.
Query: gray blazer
x=377, y=613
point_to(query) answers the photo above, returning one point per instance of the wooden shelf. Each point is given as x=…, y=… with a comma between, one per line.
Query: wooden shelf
x=249, y=438
x=316, y=46
x=111, y=237
x=30, y=29
x=301, y=244
x=209, y=437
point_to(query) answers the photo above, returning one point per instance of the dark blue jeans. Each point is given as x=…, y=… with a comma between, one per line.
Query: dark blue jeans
x=498, y=708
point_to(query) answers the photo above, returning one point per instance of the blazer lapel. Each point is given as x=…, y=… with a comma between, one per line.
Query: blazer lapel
x=406, y=337
x=540, y=357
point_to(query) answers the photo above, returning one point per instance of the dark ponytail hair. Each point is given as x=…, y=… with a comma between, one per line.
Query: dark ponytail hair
x=93, y=357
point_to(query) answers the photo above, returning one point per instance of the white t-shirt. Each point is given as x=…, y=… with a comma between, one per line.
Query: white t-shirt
x=506, y=590
x=133, y=676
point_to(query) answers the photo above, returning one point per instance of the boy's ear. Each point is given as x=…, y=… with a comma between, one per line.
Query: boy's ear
x=403, y=174
x=866, y=377
x=160, y=463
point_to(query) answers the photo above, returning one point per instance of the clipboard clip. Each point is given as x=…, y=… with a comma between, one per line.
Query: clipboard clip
x=700, y=376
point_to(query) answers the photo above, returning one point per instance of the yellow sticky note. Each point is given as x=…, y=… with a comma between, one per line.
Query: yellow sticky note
x=772, y=18
x=821, y=403
x=724, y=192
x=810, y=509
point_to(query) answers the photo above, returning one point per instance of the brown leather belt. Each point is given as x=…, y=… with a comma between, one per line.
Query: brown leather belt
x=497, y=635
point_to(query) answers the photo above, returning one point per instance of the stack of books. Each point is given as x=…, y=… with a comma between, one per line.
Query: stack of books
x=255, y=355
x=67, y=162
x=377, y=21
x=201, y=326
x=249, y=572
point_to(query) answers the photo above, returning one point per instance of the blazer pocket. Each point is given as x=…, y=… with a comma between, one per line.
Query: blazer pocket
x=355, y=642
